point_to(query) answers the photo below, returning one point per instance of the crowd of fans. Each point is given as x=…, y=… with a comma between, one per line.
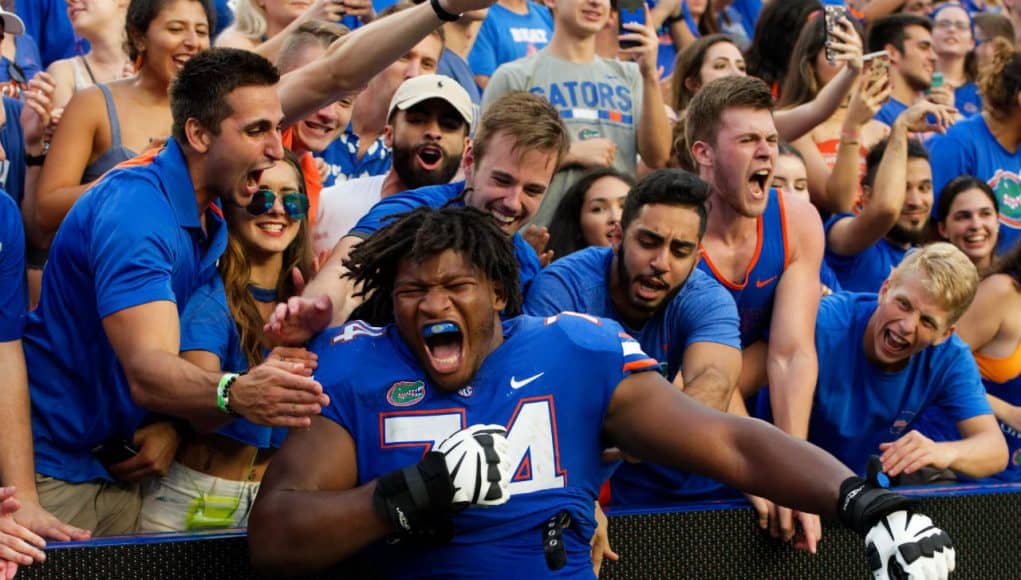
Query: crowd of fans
x=806, y=215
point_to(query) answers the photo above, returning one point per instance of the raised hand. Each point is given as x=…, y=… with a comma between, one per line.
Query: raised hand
x=846, y=45
x=867, y=100
x=646, y=45
x=296, y=321
x=538, y=238
x=925, y=116
x=38, y=110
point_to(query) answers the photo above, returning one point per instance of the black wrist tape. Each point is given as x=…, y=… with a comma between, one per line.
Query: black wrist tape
x=416, y=499
x=862, y=504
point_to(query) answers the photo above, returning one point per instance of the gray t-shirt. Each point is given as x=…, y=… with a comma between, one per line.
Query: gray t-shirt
x=602, y=98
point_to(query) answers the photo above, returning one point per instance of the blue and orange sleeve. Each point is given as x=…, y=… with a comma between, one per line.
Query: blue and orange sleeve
x=635, y=359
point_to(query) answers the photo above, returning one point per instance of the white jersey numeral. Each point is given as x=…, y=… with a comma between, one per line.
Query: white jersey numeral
x=534, y=447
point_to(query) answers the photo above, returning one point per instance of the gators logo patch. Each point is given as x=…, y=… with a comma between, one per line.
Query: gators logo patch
x=405, y=393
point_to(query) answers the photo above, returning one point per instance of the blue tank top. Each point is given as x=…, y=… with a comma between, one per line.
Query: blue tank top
x=117, y=152
x=754, y=294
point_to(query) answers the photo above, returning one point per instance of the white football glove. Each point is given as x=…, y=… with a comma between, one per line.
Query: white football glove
x=907, y=545
x=479, y=467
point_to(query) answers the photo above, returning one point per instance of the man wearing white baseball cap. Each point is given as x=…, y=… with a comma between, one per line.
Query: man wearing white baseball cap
x=12, y=23
x=427, y=128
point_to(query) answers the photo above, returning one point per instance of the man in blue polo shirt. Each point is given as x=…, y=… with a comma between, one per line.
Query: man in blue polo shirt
x=103, y=343
x=105, y=337
x=680, y=315
x=518, y=145
x=897, y=355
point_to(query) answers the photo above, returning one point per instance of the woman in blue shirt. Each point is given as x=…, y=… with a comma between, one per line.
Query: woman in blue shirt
x=214, y=479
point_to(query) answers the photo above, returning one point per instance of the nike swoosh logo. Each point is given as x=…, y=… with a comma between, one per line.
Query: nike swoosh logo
x=516, y=384
x=764, y=283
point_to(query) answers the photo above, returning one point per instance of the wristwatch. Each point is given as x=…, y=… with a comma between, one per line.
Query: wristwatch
x=442, y=14
x=37, y=160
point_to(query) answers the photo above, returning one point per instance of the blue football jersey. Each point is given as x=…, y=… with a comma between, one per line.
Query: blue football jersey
x=549, y=384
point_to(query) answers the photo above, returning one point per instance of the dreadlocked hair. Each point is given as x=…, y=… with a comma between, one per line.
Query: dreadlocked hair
x=420, y=235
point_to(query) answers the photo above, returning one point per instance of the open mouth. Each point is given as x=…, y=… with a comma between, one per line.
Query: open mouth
x=505, y=221
x=322, y=130
x=444, y=342
x=272, y=228
x=613, y=235
x=648, y=288
x=181, y=59
x=976, y=239
x=252, y=182
x=429, y=157
x=894, y=343
x=758, y=181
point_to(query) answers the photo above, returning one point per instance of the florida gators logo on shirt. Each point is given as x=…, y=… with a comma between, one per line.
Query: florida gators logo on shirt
x=1007, y=186
x=405, y=393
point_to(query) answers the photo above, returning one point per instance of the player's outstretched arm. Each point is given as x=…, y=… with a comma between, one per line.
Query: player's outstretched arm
x=310, y=513
x=652, y=420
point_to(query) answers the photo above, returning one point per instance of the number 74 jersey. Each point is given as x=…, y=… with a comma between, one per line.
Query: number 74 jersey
x=549, y=384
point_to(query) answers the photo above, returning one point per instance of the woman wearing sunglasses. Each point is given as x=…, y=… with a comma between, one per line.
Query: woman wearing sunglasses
x=215, y=477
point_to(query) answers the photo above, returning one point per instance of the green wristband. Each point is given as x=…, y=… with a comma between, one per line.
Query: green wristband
x=223, y=393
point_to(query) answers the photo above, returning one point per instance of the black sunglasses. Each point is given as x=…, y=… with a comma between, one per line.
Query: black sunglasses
x=295, y=204
x=15, y=73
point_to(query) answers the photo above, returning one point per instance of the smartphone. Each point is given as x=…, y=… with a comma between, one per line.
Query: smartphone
x=114, y=451
x=631, y=11
x=937, y=80
x=876, y=64
x=832, y=15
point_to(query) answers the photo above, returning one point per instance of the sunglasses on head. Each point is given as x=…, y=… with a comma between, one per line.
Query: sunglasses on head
x=295, y=204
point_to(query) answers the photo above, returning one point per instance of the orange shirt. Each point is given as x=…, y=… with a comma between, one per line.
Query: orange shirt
x=313, y=184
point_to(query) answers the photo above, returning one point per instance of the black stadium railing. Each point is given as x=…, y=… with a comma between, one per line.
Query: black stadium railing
x=703, y=541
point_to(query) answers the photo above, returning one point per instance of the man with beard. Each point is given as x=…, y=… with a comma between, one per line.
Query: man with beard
x=427, y=130
x=359, y=151
x=680, y=315
x=863, y=248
